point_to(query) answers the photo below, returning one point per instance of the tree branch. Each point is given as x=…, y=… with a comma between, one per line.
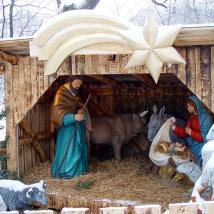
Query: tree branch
x=159, y=4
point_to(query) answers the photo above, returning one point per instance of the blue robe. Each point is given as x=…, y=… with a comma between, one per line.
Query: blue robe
x=76, y=161
x=205, y=122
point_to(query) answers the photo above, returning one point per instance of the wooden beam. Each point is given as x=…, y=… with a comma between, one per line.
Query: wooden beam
x=105, y=80
x=188, y=36
x=197, y=35
x=8, y=58
x=146, y=79
x=39, y=136
x=36, y=144
x=18, y=46
x=101, y=91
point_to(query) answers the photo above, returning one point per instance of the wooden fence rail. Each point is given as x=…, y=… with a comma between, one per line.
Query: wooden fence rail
x=179, y=208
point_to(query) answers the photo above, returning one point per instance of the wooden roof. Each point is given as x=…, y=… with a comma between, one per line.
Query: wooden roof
x=188, y=36
x=15, y=46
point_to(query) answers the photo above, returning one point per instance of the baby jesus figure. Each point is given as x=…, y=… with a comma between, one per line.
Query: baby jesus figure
x=175, y=149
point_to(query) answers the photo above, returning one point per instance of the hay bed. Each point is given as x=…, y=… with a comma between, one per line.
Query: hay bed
x=117, y=183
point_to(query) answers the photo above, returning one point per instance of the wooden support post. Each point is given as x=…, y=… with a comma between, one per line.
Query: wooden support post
x=204, y=85
x=182, y=67
x=146, y=79
x=144, y=209
x=33, y=136
x=183, y=208
x=75, y=211
x=209, y=207
x=114, y=210
x=39, y=212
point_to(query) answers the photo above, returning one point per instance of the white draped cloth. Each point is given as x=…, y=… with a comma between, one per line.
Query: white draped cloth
x=158, y=158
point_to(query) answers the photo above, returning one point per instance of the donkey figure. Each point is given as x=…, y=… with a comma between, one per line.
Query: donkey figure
x=157, y=119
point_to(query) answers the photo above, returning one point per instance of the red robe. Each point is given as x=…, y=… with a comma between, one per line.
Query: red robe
x=194, y=125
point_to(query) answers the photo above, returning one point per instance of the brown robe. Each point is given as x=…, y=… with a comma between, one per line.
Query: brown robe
x=65, y=102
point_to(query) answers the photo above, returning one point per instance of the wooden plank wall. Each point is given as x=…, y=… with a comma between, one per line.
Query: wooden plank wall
x=196, y=75
x=110, y=98
x=38, y=119
x=132, y=97
x=26, y=83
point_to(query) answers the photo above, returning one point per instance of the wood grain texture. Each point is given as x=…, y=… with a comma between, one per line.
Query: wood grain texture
x=183, y=208
x=28, y=91
x=151, y=209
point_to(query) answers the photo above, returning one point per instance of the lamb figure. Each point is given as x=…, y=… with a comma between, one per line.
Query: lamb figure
x=18, y=196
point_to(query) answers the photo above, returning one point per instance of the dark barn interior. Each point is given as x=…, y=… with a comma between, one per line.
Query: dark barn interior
x=111, y=94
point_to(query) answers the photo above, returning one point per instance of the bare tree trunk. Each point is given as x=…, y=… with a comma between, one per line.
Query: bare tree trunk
x=193, y=2
x=169, y=13
x=3, y=19
x=11, y=17
x=58, y=5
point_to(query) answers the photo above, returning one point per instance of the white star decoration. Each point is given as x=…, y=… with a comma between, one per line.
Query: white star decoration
x=73, y=31
x=155, y=48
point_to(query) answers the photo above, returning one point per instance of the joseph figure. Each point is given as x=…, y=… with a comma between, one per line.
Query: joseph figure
x=71, y=123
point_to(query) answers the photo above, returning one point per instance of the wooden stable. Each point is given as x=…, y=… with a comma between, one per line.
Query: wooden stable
x=114, y=89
